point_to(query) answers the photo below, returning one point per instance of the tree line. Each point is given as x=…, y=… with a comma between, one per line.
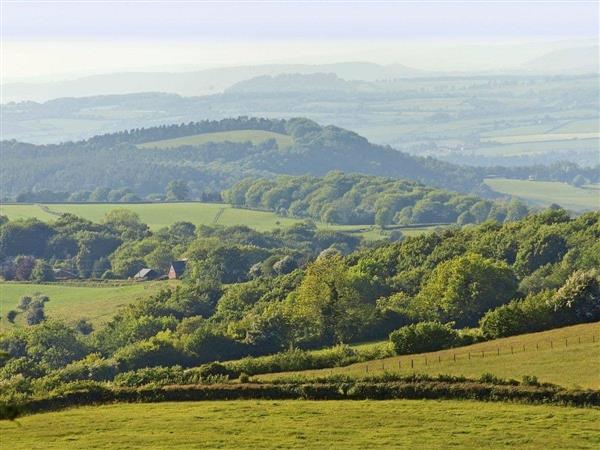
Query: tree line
x=359, y=199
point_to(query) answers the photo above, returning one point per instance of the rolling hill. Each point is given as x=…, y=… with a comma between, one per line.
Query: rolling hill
x=566, y=356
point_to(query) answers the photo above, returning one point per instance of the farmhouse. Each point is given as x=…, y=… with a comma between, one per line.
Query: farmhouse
x=146, y=274
x=177, y=268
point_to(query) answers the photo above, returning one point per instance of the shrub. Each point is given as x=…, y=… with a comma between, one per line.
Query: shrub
x=423, y=337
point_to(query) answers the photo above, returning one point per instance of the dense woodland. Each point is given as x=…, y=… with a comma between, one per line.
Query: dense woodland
x=114, y=161
x=434, y=290
x=357, y=199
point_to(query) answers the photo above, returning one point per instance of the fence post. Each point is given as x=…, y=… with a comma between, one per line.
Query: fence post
x=439, y=359
x=412, y=364
x=367, y=368
x=566, y=339
x=511, y=350
x=498, y=351
x=454, y=356
x=469, y=355
x=426, y=360
x=579, y=339
x=551, y=344
x=382, y=365
x=482, y=354
x=399, y=365
x=537, y=346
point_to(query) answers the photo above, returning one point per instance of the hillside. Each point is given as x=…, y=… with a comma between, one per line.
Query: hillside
x=253, y=136
x=94, y=302
x=114, y=160
x=545, y=193
x=566, y=356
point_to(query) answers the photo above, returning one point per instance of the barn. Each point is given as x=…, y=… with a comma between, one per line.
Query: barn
x=177, y=268
x=146, y=274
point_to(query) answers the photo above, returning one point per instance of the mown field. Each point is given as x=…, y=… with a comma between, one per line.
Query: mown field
x=158, y=215
x=569, y=357
x=96, y=302
x=544, y=193
x=251, y=424
x=254, y=136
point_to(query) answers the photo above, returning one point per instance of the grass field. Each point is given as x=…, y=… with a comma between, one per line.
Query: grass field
x=544, y=193
x=545, y=356
x=254, y=136
x=158, y=215
x=543, y=137
x=74, y=301
x=252, y=424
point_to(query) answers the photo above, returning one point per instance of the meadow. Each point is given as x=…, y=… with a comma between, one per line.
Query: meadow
x=95, y=302
x=158, y=215
x=250, y=424
x=254, y=136
x=569, y=357
x=544, y=193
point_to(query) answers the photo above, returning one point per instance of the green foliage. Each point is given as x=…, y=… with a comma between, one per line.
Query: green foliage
x=423, y=337
x=360, y=199
x=464, y=288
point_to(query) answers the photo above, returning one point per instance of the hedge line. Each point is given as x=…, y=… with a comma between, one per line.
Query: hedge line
x=95, y=393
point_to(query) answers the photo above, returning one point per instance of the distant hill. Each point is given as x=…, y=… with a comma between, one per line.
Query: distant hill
x=203, y=82
x=114, y=160
x=568, y=60
x=297, y=83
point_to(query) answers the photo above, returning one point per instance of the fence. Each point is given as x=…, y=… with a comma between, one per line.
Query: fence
x=453, y=356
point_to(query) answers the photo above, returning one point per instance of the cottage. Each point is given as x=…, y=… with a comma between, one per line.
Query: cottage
x=177, y=268
x=146, y=274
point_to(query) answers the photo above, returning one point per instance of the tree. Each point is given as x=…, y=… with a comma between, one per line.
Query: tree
x=42, y=271
x=177, y=190
x=35, y=314
x=329, y=304
x=11, y=315
x=23, y=267
x=579, y=180
x=127, y=223
x=423, y=337
x=464, y=288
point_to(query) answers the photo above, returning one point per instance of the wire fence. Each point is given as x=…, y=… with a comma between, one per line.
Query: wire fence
x=451, y=356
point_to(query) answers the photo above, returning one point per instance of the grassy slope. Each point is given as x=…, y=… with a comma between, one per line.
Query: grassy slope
x=74, y=301
x=577, y=364
x=309, y=424
x=548, y=192
x=158, y=215
x=254, y=136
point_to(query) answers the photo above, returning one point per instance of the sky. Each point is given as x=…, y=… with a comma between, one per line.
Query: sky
x=68, y=38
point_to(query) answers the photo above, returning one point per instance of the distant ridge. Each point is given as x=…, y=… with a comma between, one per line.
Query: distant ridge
x=202, y=82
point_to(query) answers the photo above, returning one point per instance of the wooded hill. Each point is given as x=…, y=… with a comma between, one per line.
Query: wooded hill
x=358, y=199
x=115, y=160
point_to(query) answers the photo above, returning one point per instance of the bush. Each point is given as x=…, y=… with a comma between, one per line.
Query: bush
x=423, y=337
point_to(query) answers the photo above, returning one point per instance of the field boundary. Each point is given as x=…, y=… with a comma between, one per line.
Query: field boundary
x=447, y=388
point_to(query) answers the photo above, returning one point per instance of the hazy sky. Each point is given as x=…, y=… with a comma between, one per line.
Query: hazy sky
x=53, y=37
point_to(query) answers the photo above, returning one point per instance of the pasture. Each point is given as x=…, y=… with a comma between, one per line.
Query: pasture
x=254, y=136
x=250, y=424
x=158, y=215
x=95, y=302
x=544, y=193
x=569, y=357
